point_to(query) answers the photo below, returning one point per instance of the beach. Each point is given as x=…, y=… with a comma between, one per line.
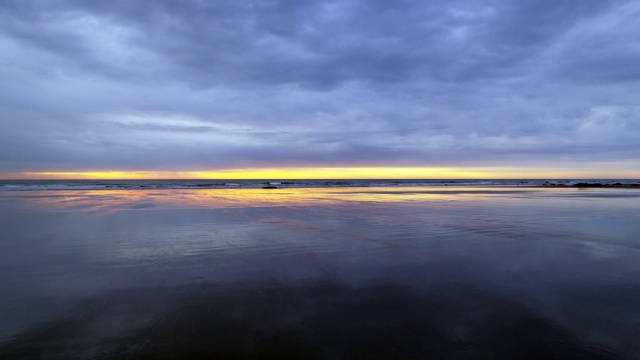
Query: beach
x=445, y=272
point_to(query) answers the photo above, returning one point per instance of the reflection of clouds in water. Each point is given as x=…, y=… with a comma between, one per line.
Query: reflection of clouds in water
x=174, y=241
x=313, y=320
x=604, y=250
x=300, y=226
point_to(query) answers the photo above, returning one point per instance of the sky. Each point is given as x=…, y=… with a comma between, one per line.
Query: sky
x=404, y=88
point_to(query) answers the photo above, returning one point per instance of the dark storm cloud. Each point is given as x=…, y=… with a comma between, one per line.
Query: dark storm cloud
x=201, y=84
x=315, y=44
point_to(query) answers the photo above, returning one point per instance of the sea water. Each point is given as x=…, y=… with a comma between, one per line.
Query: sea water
x=444, y=272
x=31, y=185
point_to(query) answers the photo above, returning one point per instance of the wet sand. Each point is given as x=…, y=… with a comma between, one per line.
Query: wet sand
x=457, y=273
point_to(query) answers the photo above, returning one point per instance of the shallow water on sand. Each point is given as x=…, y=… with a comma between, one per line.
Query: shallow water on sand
x=445, y=273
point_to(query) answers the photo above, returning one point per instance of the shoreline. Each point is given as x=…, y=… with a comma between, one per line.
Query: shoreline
x=594, y=185
x=38, y=185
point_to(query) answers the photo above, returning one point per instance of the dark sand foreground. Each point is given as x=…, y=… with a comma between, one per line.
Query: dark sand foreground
x=349, y=273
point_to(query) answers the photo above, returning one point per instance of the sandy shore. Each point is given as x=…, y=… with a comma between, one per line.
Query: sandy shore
x=495, y=272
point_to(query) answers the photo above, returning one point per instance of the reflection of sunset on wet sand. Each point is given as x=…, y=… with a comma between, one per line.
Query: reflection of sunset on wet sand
x=113, y=200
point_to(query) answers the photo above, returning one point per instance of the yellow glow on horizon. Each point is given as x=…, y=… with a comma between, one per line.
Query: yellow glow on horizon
x=323, y=173
x=292, y=173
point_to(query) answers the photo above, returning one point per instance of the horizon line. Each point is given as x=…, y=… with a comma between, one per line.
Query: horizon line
x=330, y=173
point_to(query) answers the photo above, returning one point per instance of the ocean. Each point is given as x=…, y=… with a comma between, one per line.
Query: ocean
x=322, y=269
x=14, y=185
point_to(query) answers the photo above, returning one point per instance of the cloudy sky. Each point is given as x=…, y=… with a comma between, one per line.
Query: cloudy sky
x=522, y=87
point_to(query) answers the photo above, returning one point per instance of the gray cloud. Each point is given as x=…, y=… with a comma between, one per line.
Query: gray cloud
x=189, y=84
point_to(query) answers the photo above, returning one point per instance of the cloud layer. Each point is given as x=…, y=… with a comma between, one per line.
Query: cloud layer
x=191, y=85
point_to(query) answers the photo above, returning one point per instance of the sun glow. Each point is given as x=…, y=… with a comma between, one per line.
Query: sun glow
x=318, y=173
x=285, y=173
